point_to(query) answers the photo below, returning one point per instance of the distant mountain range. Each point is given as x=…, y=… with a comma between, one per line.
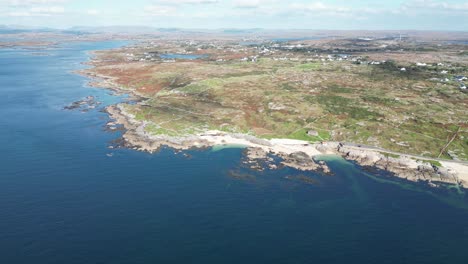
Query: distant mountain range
x=21, y=29
x=14, y=29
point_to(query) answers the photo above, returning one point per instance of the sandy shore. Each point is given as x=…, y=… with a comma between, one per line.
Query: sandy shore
x=295, y=153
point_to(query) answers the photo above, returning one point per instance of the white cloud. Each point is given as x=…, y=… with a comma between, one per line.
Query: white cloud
x=320, y=8
x=185, y=2
x=240, y=13
x=253, y=3
x=325, y=8
x=281, y=8
x=418, y=6
x=34, y=2
x=48, y=10
x=160, y=10
x=19, y=14
x=169, y=8
x=93, y=12
x=38, y=11
x=33, y=8
x=247, y=4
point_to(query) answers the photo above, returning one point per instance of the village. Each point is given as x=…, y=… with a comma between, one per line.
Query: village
x=253, y=50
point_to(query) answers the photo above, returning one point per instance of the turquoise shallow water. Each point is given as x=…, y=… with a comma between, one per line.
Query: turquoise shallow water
x=64, y=200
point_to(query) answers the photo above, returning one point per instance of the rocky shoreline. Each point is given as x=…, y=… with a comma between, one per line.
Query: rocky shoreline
x=257, y=152
x=294, y=153
x=405, y=167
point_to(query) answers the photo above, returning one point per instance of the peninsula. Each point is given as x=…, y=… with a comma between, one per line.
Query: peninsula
x=396, y=102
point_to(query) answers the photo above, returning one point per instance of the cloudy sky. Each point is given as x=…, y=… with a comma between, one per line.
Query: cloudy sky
x=279, y=14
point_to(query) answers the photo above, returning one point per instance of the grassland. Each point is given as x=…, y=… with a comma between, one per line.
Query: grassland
x=377, y=105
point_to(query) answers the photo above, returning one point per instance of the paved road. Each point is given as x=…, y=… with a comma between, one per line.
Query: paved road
x=401, y=154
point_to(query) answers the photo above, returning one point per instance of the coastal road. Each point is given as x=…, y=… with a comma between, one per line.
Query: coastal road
x=362, y=146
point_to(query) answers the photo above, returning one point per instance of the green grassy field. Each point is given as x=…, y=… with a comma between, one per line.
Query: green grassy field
x=376, y=105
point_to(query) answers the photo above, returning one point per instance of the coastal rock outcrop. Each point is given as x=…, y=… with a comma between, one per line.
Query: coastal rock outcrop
x=302, y=161
x=84, y=105
x=402, y=167
x=137, y=138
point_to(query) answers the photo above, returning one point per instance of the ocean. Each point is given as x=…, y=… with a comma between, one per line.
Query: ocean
x=66, y=197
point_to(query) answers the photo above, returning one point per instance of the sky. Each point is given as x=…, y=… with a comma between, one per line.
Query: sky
x=213, y=14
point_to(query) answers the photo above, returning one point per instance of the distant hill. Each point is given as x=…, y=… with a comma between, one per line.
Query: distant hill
x=20, y=29
x=116, y=29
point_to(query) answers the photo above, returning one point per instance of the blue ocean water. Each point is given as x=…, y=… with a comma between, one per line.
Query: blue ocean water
x=63, y=199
